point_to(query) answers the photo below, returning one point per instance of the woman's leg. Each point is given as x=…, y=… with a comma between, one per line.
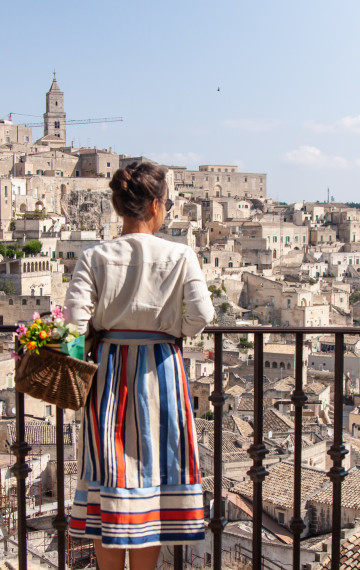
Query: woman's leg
x=144, y=558
x=109, y=558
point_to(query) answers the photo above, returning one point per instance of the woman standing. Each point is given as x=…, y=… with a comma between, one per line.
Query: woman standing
x=139, y=484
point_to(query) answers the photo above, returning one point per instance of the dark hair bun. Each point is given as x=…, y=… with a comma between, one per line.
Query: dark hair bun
x=135, y=187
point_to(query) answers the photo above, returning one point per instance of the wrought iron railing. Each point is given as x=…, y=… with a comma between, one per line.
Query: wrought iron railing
x=257, y=450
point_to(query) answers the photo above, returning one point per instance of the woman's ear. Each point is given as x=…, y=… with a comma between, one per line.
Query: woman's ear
x=154, y=207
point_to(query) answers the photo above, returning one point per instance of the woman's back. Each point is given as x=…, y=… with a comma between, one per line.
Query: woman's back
x=139, y=281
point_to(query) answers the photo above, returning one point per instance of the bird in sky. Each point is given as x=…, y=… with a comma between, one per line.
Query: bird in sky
x=218, y=88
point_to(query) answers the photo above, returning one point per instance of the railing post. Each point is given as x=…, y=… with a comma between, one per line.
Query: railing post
x=217, y=398
x=258, y=451
x=298, y=398
x=60, y=522
x=21, y=470
x=337, y=451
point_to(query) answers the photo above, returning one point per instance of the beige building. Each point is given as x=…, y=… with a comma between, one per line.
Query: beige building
x=219, y=181
x=33, y=276
x=279, y=360
x=280, y=237
x=11, y=133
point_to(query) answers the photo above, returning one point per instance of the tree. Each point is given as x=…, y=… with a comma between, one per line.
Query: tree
x=7, y=286
x=33, y=247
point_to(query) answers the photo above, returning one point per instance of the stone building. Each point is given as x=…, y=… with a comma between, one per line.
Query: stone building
x=32, y=276
x=219, y=181
x=54, y=116
x=11, y=134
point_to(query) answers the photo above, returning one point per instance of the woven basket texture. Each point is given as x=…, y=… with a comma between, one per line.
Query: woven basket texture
x=55, y=378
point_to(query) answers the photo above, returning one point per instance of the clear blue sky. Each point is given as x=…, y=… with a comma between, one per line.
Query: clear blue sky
x=288, y=71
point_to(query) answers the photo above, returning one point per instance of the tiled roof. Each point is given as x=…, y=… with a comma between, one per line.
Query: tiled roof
x=314, y=388
x=238, y=426
x=235, y=390
x=278, y=485
x=284, y=385
x=40, y=433
x=208, y=483
x=246, y=404
x=350, y=491
x=288, y=441
x=349, y=554
x=276, y=422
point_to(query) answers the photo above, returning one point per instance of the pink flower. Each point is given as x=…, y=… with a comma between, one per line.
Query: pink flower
x=57, y=312
x=35, y=316
x=20, y=330
x=15, y=355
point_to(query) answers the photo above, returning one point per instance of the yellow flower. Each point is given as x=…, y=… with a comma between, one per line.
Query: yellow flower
x=23, y=340
x=34, y=326
x=38, y=321
x=43, y=335
x=31, y=345
x=28, y=334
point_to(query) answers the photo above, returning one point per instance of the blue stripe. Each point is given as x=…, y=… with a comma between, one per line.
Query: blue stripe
x=138, y=335
x=158, y=537
x=180, y=416
x=144, y=418
x=136, y=413
x=103, y=409
x=195, y=489
x=173, y=426
x=164, y=420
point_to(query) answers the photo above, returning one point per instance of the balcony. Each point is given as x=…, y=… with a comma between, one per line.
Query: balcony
x=257, y=452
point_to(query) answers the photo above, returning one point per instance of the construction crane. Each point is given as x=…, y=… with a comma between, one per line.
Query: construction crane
x=71, y=121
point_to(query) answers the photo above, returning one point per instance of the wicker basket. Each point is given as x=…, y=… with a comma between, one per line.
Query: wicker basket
x=55, y=378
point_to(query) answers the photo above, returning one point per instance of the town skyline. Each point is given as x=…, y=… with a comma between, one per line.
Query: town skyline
x=287, y=103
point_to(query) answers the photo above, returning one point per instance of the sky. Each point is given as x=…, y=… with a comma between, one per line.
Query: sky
x=288, y=72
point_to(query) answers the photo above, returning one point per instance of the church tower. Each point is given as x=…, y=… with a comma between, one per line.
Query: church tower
x=54, y=118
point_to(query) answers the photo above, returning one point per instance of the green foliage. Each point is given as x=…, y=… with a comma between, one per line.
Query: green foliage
x=214, y=291
x=354, y=297
x=8, y=250
x=244, y=343
x=312, y=281
x=223, y=287
x=224, y=307
x=208, y=416
x=12, y=225
x=7, y=286
x=33, y=247
x=353, y=204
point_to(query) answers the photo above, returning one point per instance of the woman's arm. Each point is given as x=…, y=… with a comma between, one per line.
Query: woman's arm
x=81, y=296
x=199, y=310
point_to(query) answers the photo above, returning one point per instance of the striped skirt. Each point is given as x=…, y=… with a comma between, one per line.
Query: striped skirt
x=138, y=471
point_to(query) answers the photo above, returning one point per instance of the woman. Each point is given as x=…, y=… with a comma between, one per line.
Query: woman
x=139, y=484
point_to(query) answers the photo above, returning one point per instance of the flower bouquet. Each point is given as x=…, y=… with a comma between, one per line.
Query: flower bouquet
x=52, y=366
x=50, y=332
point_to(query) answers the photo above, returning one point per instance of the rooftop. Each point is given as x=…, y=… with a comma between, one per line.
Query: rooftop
x=350, y=491
x=276, y=492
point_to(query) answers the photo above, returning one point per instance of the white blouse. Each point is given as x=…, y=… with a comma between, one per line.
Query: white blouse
x=139, y=282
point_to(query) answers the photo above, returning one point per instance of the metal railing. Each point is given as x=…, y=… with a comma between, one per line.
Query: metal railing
x=257, y=450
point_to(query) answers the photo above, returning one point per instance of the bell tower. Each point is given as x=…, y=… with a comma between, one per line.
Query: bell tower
x=54, y=118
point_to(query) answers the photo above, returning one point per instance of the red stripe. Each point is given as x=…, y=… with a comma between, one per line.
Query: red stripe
x=127, y=518
x=93, y=510
x=78, y=524
x=120, y=422
x=193, y=469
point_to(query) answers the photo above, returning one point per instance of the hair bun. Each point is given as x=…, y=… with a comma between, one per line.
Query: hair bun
x=121, y=179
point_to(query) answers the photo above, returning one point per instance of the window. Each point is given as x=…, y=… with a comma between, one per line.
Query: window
x=230, y=264
x=267, y=364
x=296, y=238
x=60, y=254
x=48, y=410
x=5, y=191
x=77, y=173
x=275, y=239
x=217, y=194
x=38, y=301
x=70, y=254
x=57, y=124
x=261, y=180
x=281, y=518
x=287, y=239
x=229, y=179
x=274, y=364
x=108, y=164
x=41, y=291
x=216, y=262
x=219, y=169
x=108, y=175
x=23, y=301
x=289, y=303
x=7, y=139
x=196, y=403
x=206, y=178
x=350, y=261
x=11, y=302
x=245, y=179
x=217, y=179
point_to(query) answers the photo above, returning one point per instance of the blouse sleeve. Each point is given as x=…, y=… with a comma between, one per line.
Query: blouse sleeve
x=199, y=310
x=81, y=296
